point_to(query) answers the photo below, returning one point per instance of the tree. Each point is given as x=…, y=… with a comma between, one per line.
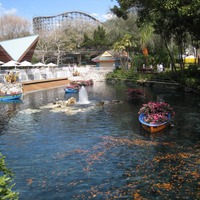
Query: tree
x=6, y=181
x=172, y=19
x=87, y=42
x=58, y=42
x=98, y=40
x=67, y=38
x=122, y=47
x=75, y=32
x=44, y=46
x=146, y=33
x=116, y=28
x=99, y=37
x=13, y=27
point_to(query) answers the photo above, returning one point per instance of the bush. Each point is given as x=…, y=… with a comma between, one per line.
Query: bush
x=6, y=185
x=191, y=82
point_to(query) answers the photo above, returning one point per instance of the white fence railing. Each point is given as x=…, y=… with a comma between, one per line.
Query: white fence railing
x=61, y=72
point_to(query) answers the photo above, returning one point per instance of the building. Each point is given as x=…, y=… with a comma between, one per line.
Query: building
x=19, y=49
x=107, y=60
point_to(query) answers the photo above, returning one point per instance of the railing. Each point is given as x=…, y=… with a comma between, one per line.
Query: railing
x=33, y=74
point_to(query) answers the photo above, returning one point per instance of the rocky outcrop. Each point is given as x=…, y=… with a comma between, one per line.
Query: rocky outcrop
x=60, y=103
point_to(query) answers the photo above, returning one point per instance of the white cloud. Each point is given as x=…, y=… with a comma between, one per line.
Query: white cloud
x=4, y=11
x=109, y=16
x=103, y=18
x=95, y=15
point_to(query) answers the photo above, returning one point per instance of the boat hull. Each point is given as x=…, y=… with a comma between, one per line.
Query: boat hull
x=10, y=97
x=71, y=90
x=152, y=128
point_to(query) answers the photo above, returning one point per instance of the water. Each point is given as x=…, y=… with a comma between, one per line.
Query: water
x=97, y=151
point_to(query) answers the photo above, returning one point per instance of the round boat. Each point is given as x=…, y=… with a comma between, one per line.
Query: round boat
x=153, y=128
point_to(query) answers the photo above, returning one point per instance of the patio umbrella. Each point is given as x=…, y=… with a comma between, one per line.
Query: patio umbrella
x=51, y=65
x=25, y=64
x=40, y=64
x=10, y=63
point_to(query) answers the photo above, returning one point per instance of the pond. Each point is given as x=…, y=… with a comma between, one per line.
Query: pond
x=101, y=151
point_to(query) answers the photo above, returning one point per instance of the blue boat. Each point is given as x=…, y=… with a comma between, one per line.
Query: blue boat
x=71, y=90
x=153, y=128
x=10, y=97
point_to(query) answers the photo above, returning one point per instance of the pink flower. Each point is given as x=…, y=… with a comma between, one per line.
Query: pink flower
x=156, y=112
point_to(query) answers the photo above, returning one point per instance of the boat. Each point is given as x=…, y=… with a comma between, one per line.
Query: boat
x=83, y=82
x=72, y=88
x=153, y=128
x=10, y=97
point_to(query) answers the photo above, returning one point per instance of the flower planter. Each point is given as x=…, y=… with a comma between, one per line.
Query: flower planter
x=153, y=128
x=155, y=116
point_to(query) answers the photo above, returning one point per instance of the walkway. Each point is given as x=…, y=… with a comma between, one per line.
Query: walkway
x=32, y=86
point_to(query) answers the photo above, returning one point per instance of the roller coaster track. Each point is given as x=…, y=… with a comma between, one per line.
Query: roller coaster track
x=48, y=23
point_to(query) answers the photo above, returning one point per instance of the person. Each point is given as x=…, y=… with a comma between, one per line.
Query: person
x=158, y=68
x=143, y=67
x=151, y=68
x=161, y=67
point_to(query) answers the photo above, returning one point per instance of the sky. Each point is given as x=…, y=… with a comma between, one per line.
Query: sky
x=34, y=8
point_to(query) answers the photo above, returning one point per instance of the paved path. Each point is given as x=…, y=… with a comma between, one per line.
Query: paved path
x=45, y=84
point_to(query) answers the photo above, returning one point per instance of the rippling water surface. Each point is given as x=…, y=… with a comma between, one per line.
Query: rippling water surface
x=100, y=152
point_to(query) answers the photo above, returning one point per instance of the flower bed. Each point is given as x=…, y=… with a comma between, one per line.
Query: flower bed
x=156, y=112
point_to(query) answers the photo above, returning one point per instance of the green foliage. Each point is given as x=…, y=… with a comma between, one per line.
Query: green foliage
x=124, y=44
x=191, y=77
x=87, y=42
x=122, y=47
x=99, y=39
x=6, y=185
x=116, y=75
x=126, y=75
x=172, y=19
x=190, y=80
x=193, y=71
x=140, y=59
x=146, y=32
x=116, y=28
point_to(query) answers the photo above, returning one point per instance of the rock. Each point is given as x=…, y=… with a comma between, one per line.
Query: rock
x=101, y=103
x=61, y=103
x=72, y=100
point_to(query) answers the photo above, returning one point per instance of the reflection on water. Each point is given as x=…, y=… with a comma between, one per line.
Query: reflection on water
x=101, y=152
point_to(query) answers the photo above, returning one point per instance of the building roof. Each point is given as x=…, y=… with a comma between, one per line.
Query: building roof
x=107, y=56
x=19, y=49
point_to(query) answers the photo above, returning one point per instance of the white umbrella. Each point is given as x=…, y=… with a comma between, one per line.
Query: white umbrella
x=51, y=65
x=39, y=65
x=1, y=63
x=25, y=64
x=10, y=63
